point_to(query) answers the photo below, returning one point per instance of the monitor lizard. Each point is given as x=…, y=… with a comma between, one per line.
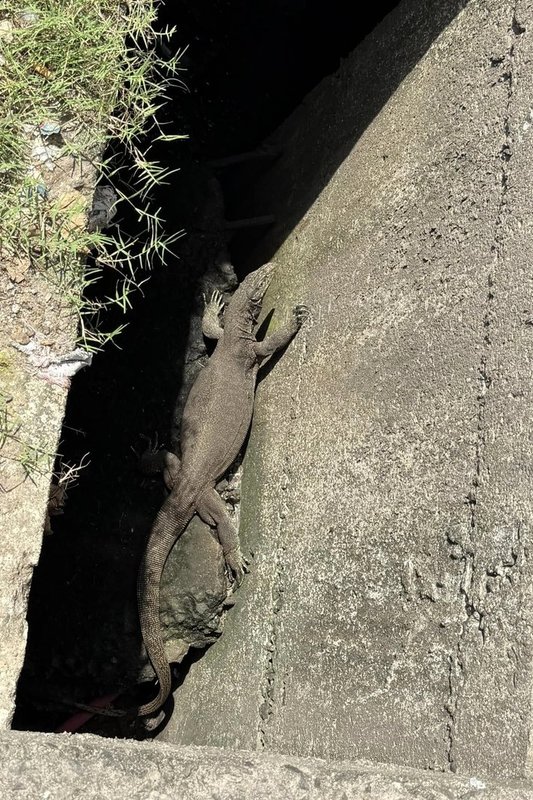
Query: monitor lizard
x=215, y=422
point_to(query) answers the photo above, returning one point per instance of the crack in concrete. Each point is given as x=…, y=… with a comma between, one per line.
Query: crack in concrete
x=473, y=608
x=268, y=684
x=266, y=710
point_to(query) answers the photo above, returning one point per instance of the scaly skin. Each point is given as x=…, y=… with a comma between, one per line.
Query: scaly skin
x=216, y=419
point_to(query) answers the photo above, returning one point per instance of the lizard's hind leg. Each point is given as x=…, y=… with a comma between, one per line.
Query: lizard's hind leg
x=212, y=510
x=153, y=461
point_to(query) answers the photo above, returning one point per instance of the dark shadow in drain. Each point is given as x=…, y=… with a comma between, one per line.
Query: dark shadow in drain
x=330, y=121
x=250, y=64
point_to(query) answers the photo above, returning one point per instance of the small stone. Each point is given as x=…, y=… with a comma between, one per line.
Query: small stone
x=50, y=128
x=27, y=17
x=21, y=335
x=6, y=28
x=17, y=268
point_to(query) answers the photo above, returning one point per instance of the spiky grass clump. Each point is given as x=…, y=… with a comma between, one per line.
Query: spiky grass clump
x=91, y=68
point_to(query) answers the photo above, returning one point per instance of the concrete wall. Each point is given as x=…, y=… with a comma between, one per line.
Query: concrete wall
x=388, y=478
x=37, y=410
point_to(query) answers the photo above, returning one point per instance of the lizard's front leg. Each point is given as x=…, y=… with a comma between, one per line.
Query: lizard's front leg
x=212, y=510
x=282, y=337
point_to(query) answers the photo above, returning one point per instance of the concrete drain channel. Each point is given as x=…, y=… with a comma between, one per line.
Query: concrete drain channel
x=247, y=67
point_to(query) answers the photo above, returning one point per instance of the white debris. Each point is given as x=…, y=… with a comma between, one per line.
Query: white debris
x=51, y=367
x=46, y=154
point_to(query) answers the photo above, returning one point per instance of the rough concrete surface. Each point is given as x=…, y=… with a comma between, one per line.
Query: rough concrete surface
x=23, y=501
x=37, y=354
x=38, y=766
x=388, y=481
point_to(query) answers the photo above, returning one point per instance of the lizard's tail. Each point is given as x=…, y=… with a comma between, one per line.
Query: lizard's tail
x=169, y=524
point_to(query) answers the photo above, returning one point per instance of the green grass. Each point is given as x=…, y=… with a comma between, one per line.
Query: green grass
x=90, y=66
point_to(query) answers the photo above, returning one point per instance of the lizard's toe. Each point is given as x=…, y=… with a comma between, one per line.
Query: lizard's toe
x=301, y=313
x=237, y=565
x=143, y=456
x=216, y=302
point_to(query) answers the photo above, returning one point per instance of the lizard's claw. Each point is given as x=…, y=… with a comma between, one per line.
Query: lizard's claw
x=301, y=314
x=150, y=449
x=151, y=460
x=237, y=564
x=216, y=301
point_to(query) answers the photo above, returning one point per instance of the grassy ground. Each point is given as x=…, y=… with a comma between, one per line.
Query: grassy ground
x=76, y=75
x=81, y=83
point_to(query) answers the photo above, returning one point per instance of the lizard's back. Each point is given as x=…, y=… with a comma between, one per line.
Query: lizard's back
x=218, y=412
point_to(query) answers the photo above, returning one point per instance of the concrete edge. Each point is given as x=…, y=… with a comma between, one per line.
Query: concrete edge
x=37, y=765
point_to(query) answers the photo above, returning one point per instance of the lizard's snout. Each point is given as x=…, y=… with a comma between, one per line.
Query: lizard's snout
x=254, y=286
x=263, y=278
x=267, y=269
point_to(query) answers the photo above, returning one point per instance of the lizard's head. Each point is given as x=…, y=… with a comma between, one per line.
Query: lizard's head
x=246, y=303
x=256, y=283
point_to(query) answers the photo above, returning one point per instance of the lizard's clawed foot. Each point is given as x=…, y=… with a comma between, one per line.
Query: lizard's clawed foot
x=237, y=564
x=216, y=302
x=152, y=445
x=301, y=314
x=151, y=449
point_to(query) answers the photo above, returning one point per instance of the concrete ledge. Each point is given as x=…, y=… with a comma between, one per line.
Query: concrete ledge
x=61, y=767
